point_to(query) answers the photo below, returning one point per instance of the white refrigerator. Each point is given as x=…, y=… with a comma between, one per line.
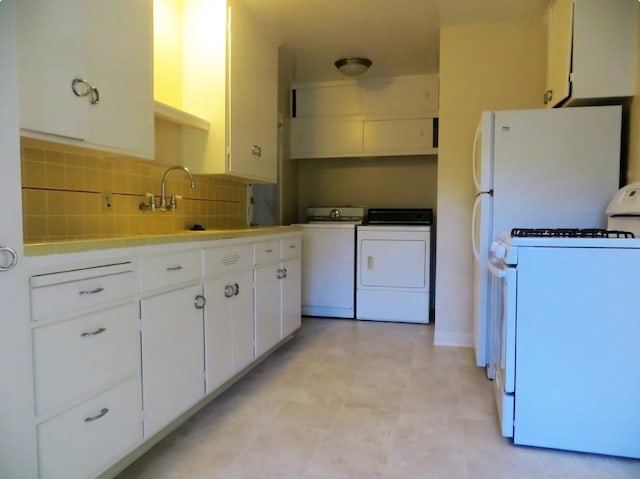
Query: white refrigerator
x=555, y=168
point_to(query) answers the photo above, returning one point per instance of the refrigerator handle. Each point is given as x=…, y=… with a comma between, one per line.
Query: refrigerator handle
x=476, y=137
x=474, y=214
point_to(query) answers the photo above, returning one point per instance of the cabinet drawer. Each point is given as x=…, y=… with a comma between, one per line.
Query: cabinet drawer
x=290, y=247
x=80, y=290
x=164, y=271
x=76, y=357
x=84, y=440
x=227, y=258
x=266, y=251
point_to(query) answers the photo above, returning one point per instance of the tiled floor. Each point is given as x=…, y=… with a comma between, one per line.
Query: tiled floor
x=360, y=400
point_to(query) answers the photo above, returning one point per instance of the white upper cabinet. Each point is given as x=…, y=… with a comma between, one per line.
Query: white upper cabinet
x=333, y=99
x=86, y=73
x=252, y=103
x=374, y=117
x=221, y=67
x=591, y=55
x=400, y=96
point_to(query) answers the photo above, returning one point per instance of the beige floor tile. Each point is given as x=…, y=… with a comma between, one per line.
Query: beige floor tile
x=361, y=400
x=307, y=414
x=351, y=453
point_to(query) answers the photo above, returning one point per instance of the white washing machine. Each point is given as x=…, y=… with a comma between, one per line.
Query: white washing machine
x=328, y=259
x=393, y=253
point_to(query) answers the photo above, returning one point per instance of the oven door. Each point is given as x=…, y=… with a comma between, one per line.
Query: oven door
x=503, y=328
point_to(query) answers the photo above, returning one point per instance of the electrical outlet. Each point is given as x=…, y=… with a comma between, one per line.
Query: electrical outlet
x=107, y=201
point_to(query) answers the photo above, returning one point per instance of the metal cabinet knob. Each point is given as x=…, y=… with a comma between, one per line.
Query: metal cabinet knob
x=280, y=273
x=13, y=258
x=548, y=96
x=82, y=87
x=199, y=301
x=229, y=291
x=256, y=150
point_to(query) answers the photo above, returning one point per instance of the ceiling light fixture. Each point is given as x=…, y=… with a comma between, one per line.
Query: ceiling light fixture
x=353, y=67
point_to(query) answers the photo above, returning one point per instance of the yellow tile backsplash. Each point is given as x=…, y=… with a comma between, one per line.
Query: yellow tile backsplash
x=63, y=187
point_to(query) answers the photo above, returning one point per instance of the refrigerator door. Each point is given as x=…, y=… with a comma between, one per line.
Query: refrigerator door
x=482, y=156
x=481, y=240
x=555, y=168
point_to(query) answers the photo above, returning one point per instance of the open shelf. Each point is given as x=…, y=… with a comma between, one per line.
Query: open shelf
x=169, y=113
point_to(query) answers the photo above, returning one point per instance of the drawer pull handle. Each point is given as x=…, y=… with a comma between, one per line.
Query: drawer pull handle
x=292, y=246
x=93, y=291
x=102, y=413
x=269, y=250
x=174, y=268
x=93, y=333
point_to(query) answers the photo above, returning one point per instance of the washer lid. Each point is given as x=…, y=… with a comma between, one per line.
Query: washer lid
x=351, y=214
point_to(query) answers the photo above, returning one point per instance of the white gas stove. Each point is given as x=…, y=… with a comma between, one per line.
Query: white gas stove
x=565, y=329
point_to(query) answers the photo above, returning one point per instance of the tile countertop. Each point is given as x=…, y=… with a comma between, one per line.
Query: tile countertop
x=80, y=245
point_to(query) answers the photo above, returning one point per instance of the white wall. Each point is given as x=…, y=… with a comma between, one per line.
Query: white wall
x=482, y=67
x=633, y=169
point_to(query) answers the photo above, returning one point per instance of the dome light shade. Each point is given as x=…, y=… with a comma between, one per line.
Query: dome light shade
x=353, y=66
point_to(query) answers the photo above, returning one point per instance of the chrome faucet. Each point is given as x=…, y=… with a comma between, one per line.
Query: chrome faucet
x=163, y=194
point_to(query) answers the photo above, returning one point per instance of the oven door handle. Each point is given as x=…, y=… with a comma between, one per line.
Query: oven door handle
x=497, y=271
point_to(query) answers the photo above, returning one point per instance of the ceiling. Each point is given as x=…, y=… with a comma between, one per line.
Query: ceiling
x=400, y=36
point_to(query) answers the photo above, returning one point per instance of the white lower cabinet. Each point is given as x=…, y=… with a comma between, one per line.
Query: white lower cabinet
x=277, y=291
x=228, y=327
x=172, y=356
x=114, y=364
x=86, y=360
x=267, y=307
x=82, y=441
x=291, y=293
x=76, y=357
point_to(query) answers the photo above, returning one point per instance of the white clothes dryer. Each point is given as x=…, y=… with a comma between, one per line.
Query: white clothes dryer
x=393, y=254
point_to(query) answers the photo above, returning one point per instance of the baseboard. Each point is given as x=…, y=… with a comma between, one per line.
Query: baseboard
x=464, y=340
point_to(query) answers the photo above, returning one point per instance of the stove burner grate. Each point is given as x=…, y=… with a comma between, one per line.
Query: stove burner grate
x=568, y=233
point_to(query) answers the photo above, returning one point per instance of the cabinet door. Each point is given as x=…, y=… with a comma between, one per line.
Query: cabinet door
x=253, y=90
x=119, y=57
x=267, y=307
x=327, y=101
x=399, y=137
x=172, y=356
x=559, y=32
x=107, y=44
x=52, y=52
x=325, y=137
x=218, y=331
x=17, y=452
x=229, y=342
x=243, y=333
x=410, y=95
x=291, y=297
